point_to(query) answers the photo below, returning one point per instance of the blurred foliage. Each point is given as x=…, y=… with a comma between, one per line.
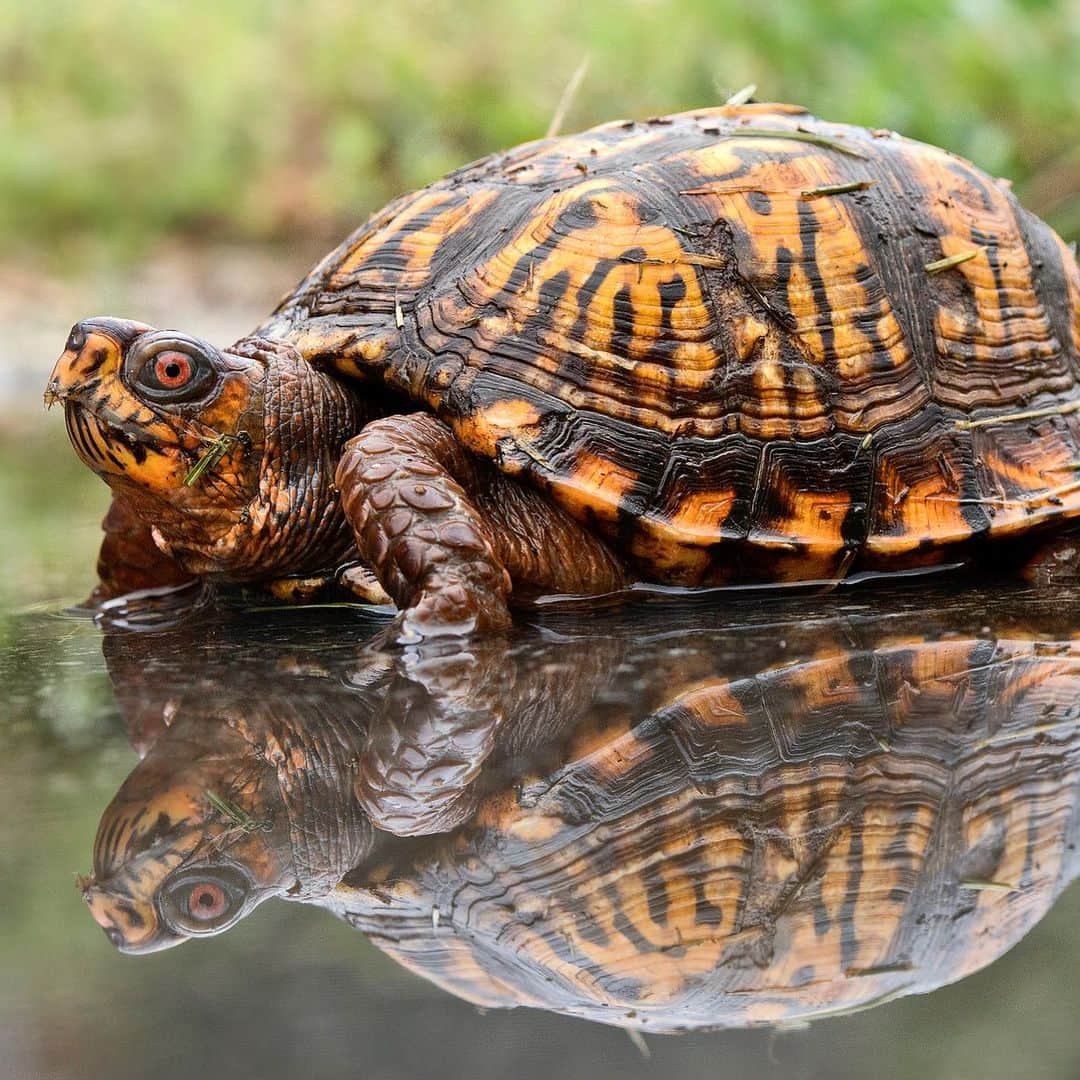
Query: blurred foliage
x=49, y=532
x=288, y=120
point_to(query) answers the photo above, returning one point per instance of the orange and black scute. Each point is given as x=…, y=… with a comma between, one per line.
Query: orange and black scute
x=724, y=340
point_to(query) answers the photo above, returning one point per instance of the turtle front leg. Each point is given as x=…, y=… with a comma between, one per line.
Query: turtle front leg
x=129, y=560
x=449, y=536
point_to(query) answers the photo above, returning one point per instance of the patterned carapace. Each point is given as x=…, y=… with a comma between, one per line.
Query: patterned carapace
x=700, y=347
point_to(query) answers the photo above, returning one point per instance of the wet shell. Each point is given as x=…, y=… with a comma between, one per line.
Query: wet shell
x=739, y=342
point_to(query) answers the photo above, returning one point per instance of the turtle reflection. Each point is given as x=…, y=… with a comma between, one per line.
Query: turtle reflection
x=694, y=826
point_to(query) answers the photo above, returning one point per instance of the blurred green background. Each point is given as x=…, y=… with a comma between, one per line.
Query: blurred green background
x=125, y=121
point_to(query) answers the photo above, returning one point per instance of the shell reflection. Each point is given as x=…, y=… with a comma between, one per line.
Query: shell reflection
x=655, y=822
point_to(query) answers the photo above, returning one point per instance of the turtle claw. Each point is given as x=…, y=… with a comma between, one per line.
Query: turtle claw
x=361, y=581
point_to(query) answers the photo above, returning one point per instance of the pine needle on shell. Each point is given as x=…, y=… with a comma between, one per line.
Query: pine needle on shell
x=941, y=265
x=836, y=189
x=741, y=97
x=1030, y=414
x=796, y=134
x=990, y=886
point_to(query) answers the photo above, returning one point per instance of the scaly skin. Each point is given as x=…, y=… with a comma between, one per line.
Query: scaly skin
x=448, y=537
x=129, y=560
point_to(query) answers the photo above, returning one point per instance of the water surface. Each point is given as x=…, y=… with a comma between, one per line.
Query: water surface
x=544, y=783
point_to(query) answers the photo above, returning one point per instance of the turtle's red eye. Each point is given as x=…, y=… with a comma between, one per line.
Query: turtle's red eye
x=170, y=369
x=173, y=369
x=206, y=901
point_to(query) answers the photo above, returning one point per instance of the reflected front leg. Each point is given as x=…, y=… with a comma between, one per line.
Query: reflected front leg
x=449, y=536
x=454, y=722
x=437, y=722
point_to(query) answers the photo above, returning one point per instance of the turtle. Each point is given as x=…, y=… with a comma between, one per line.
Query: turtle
x=734, y=346
x=664, y=828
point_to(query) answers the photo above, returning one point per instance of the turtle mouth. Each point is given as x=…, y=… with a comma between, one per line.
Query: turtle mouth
x=97, y=436
x=92, y=437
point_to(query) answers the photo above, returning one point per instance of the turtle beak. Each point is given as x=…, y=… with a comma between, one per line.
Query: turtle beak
x=130, y=924
x=95, y=349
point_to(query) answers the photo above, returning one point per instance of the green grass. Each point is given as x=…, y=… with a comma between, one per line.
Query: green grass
x=123, y=121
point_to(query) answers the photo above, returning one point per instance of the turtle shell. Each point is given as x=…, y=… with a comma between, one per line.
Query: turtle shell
x=736, y=342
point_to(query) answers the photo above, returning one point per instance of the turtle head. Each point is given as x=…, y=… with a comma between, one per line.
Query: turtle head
x=187, y=848
x=210, y=447
x=248, y=799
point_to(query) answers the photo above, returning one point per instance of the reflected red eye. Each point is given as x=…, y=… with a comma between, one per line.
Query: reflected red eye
x=173, y=369
x=206, y=901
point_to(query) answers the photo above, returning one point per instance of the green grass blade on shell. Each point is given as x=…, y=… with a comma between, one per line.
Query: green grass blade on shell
x=941, y=265
x=990, y=886
x=836, y=189
x=796, y=134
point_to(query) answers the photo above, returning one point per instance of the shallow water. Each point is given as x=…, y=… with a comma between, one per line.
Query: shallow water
x=672, y=815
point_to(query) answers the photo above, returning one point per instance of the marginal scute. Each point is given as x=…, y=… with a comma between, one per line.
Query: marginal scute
x=1071, y=273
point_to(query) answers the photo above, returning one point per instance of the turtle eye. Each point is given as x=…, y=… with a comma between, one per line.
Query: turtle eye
x=204, y=901
x=171, y=369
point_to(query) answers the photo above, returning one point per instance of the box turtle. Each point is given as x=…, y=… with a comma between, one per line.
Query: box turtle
x=769, y=822
x=738, y=345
